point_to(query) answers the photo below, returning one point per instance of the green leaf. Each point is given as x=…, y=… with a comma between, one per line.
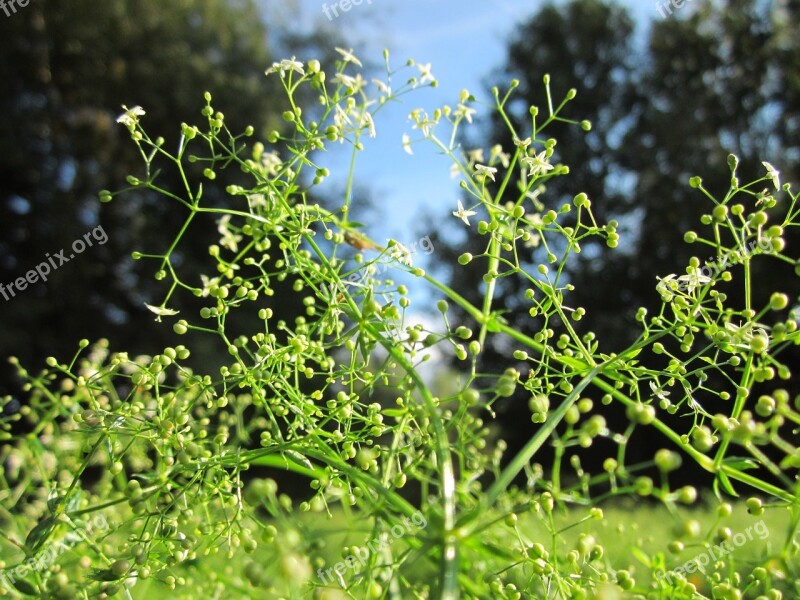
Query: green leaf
x=643, y=558
x=791, y=460
x=495, y=321
x=395, y=413
x=742, y=463
x=25, y=587
x=39, y=534
x=300, y=459
x=726, y=483
x=104, y=575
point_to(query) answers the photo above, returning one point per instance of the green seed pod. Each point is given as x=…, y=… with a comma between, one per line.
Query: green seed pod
x=755, y=506
x=667, y=461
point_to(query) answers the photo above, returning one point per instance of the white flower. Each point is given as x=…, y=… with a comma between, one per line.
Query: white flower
x=522, y=143
x=465, y=112
x=773, y=174
x=228, y=239
x=131, y=116
x=658, y=392
x=497, y=153
x=425, y=71
x=257, y=200
x=463, y=214
x=483, y=172
x=340, y=117
x=161, y=311
x=401, y=254
x=690, y=282
x=385, y=89
x=287, y=64
x=537, y=164
x=534, y=194
x=348, y=56
x=423, y=122
x=207, y=285
x=346, y=80
x=353, y=84
x=475, y=156
x=666, y=287
x=366, y=121
x=407, y=144
x=272, y=162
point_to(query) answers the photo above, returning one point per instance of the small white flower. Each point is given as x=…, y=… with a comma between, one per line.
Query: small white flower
x=161, y=311
x=257, y=200
x=401, y=254
x=496, y=153
x=666, y=287
x=475, y=156
x=425, y=71
x=537, y=164
x=773, y=174
x=534, y=194
x=463, y=214
x=340, y=117
x=465, y=112
x=131, y=116
x=228, y=239
x=368, y=122
x=482, y=171
x=407, y=144
x=384, y=88
x=690, y=282
x=423, y=122
x=658, y=392
x=207, y=285
x=522, y=143
x=346, y=80
x=287, y=64
x=348, y=56
x=353, y=84
x=272, y=162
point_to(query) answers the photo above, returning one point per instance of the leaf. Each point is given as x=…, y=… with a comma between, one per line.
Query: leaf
x=741, y=463
x=39, y=534
x=395, y=413
x=791, y=460
x=495, y=321
x=104, y=575
x=643, y=558
x=300, y=459
x=726, y=483
x=25, y=587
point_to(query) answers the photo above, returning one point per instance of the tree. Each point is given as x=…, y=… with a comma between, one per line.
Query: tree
x=68, y=69
x=709, y=82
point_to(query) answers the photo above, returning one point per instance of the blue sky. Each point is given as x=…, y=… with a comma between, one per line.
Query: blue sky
x=466, y=43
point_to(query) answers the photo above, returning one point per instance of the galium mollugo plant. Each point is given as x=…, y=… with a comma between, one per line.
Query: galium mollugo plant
x=163, y=452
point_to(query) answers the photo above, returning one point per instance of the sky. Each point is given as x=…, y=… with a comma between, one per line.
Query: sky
x=465, y=43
